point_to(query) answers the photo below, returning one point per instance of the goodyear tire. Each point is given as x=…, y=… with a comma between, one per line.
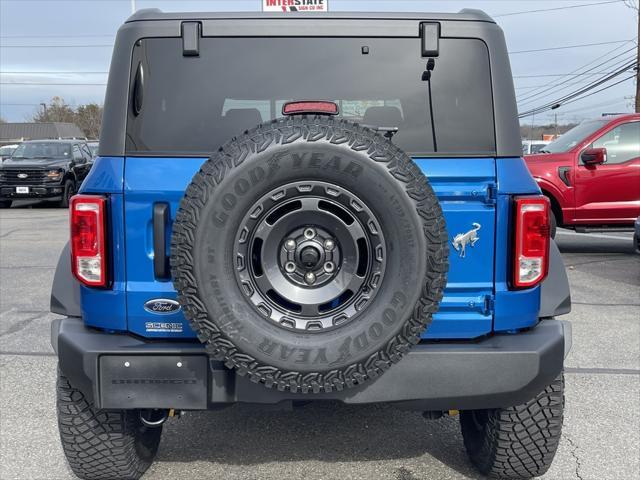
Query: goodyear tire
x=309, y=254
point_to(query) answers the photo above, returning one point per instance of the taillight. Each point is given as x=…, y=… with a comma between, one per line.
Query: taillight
x=88, y=249
x=532, y=237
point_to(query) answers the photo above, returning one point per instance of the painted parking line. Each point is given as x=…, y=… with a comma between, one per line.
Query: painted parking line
x=595, y=235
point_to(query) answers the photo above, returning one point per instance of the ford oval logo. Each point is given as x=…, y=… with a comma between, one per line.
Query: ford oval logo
x=162, y=306
x=23, y=175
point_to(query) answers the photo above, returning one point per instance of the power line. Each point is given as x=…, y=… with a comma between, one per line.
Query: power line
x=559, y=81
x=567, y=7
x=53, y=72
x=600, y=90
x=531, y=97
x=579, y=91
x=576, y=93
x=59, y=36
x=581, y=45
x=49, y=83
x=611, y=102
x=571, y=96
x=553, y=75
x=570, y=84
x=58, y=46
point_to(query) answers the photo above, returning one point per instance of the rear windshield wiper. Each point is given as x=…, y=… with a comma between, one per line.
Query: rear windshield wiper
x=388, y=132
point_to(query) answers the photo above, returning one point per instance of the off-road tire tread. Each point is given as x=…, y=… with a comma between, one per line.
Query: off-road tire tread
x=102, y=444
x=518, y=442
x=283, y=131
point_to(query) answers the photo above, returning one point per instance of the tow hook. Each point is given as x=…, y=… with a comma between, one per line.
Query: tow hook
x=155, y=418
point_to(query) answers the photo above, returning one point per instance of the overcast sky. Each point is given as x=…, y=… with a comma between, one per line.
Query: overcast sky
x=31, y=32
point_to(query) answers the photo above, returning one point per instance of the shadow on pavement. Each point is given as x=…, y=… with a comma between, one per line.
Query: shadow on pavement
x=327, y=432
x=28, y=204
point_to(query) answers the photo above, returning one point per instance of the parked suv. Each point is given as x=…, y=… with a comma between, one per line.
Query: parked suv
x=44, y=170
x=591, y=175
x=288, y=209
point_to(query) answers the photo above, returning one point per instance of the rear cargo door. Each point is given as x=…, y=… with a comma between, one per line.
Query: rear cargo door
x=466, y=188
x=178, y=115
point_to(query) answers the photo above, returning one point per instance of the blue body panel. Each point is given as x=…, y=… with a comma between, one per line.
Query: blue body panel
x=471, y=190
x=465, y=188
x=147, y=181
x=107, y=308
x=514, y=310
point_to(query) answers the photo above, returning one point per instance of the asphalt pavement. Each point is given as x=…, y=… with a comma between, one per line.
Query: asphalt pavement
x=601, y=436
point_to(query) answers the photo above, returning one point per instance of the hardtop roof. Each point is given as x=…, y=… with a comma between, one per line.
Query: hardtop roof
x=464, y=15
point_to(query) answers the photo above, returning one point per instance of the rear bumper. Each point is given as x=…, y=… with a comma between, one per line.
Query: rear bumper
x=123, y=371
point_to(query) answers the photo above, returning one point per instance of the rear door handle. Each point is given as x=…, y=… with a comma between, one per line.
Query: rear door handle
x=160, y=260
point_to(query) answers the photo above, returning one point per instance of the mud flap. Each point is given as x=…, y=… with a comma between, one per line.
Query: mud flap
x=555, y=296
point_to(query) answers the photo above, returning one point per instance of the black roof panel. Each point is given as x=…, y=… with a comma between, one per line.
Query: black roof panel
x=467, y=14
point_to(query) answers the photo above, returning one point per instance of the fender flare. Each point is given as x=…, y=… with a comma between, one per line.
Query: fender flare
x=555, y=295
x=65, y=291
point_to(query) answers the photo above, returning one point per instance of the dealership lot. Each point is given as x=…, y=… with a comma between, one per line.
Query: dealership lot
x=601, y=436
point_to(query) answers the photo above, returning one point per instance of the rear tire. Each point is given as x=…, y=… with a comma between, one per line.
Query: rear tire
x=5, y=203
x=67, y=193
x=101, y=444
x=516, y=442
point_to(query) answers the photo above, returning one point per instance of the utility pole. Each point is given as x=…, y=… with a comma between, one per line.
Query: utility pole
x=44, y=108
x=133, y=7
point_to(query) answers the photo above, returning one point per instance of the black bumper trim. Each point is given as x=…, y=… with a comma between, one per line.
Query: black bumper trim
x=498, y=371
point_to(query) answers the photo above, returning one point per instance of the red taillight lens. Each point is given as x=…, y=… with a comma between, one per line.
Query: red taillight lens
x=88, y=249
x=311, y=106
x=532, y=237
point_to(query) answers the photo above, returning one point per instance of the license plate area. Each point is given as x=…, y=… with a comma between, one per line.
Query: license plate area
x=22, y=189
x=153, y=381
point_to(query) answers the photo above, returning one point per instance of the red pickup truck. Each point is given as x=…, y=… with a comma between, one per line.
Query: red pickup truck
x=591, y=174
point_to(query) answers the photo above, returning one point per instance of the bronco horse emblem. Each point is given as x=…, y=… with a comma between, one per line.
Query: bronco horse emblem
x=461, y=240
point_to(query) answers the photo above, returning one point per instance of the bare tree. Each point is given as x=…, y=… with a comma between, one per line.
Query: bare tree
x=89, y=119
x=56, y=111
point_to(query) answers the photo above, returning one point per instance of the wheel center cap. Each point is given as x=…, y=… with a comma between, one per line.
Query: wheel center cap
x=309, y=256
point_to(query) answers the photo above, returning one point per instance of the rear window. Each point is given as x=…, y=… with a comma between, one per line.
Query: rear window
x=192, y=105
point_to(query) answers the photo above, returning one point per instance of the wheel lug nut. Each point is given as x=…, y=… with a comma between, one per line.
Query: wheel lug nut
x=329, y=244
x=329, y=267
x=290, y=267
x=290, y=244
x=309, y=277
x=309, y=233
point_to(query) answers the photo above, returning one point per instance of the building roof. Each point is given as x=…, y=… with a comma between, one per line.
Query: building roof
x=10, y=132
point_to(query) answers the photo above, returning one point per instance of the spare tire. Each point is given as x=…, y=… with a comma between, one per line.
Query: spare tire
x=309, y=254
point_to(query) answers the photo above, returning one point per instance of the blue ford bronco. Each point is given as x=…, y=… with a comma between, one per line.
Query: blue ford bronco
x=309, y=208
